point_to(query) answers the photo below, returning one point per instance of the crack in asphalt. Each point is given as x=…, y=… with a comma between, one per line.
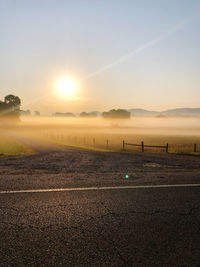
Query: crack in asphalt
x=127, y=263
x=81, y=227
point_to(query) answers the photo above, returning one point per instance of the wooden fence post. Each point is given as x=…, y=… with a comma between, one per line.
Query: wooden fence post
x=142, y=144
x=167, y=147
x=123, y=145
x=195, y=148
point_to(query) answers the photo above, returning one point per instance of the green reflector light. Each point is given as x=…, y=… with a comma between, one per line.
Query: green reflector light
x=126, y=176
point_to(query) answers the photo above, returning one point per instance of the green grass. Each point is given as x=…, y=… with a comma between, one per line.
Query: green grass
x=85, y=140
x=176, y=144
x=11, y=147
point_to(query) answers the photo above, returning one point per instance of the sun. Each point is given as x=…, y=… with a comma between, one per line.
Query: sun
x=66, y=87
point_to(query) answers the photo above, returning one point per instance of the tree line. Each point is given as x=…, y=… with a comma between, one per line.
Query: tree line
x=10, y=108
x=112, y=114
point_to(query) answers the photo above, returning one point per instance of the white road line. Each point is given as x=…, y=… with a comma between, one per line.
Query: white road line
x=98, y=188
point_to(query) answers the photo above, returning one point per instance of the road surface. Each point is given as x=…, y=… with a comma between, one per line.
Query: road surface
x=123, y=225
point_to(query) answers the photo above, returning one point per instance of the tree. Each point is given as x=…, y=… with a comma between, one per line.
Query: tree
x=10, y=107
x=3, y=106
x=117, y=114
x=88, y=114
x=12, y=100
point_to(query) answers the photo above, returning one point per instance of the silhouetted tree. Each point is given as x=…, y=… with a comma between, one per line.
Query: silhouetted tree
x=10, y=107
x=12, y=100
x=3, y=106
x=117, y=114
x=88, y=114
x=83, y=114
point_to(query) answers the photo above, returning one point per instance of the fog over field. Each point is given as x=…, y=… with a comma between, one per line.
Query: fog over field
x=99, y=133
x=108, y=134
x=139, y=125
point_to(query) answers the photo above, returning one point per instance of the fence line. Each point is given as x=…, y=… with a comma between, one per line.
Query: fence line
x=82, y=140
x=143, y=146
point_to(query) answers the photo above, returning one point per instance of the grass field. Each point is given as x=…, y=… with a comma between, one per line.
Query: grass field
x=112, y=142
x=180, y=133
x=10, y=147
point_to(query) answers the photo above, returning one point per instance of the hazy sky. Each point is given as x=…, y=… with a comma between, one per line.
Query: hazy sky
x=121, y=53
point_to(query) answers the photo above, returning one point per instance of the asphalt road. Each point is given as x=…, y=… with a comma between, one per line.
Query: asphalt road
x=158, y=226
x=129, y=227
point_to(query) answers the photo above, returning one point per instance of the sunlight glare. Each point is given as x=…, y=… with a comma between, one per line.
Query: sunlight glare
x=66, y=87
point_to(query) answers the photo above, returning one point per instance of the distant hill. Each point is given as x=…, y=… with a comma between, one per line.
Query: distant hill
x=182, y=112
x=170, y=112
x=142, y=112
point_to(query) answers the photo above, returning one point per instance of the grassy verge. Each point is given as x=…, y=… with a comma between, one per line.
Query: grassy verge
x=11, y=147
x=187, y=153
x=88, y=148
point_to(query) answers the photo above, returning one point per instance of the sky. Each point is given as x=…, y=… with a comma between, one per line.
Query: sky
x=120, y=53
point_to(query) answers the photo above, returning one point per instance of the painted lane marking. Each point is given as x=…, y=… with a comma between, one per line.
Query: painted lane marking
x=97, y=188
